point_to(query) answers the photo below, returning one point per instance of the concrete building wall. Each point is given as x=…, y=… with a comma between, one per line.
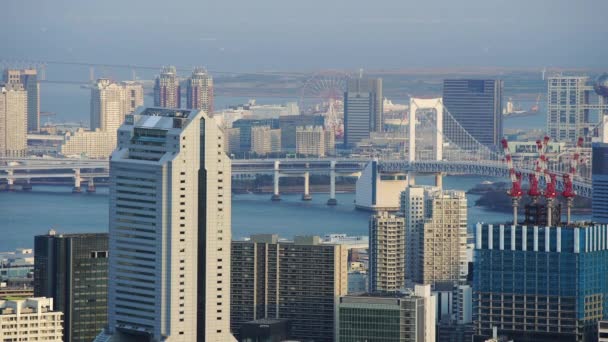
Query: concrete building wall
x=92, y=144
x=31, y=319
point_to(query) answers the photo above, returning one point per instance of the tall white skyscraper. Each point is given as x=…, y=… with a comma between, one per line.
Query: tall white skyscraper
x=29, y=79
x=111, y=101
x=13, y=120
x=435, y=234
x=386, y=253
x=169, y=229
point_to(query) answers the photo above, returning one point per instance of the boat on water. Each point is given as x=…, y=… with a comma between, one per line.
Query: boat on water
x=512, y=110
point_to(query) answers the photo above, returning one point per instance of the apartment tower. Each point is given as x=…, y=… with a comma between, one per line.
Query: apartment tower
x=199, y=92
x=13, y=120
x=167, y=91
x=386, y=253
x=28, y=78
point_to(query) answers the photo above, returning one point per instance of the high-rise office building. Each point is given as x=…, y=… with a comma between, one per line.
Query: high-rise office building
x=435, y=234
x=13, y=120
x=167, y=91
x=599, y=179
x=377, y=318
x=568, y=112
x=72, y=269
x=29, y=79
x=199, y=91
x=111, y=101
x=169, y=229
x=540, y=283
x=301, y=281
x=386, y=253
x=363, y=109
x=477, y=106
x=30, y=319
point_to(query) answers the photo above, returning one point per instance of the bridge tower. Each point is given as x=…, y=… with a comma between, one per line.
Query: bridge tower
x=437, y=105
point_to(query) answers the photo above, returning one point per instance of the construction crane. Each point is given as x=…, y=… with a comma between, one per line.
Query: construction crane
x=534, y=178
x=568, y=178
x=550, y=192
x=515, y=192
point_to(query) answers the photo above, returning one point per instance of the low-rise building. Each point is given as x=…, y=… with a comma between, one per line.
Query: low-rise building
x=31, y=319
x=96, y=144
x=265, y=140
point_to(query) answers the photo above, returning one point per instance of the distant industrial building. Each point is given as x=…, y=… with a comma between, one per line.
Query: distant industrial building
x=363, y=109
x=72, y=269
x=540, y=284
x=28, y=78
x=199, y=91
x=13, y=120
x=31, y=319
x=477, y=106
x=300, y=281
x=289, y=123
x=398, y=317
x=386, y=253
x=167, y=91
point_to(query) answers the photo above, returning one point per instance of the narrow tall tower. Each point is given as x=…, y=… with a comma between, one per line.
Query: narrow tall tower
x=167, y=92
x=169, y=229
x=199, y=94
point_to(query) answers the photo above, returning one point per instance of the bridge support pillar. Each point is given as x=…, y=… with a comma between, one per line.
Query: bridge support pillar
x=332, y=184
x=277, y=175
x=306, y=196
x=91, y=185
x=10, y=183
x=439, y=180
x=77, y=181
x=27, y=186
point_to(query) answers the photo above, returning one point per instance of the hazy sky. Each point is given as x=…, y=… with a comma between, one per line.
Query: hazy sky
x=309, y=34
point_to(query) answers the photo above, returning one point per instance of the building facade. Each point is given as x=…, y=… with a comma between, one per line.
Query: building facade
x=111, y=101
x=477, y=106
x=315, y=141
x=363, y=110
x=28, y=78
x=167, y=91
x=435, y=234
x=96, y=144
x=169, y=229
x=199, y=91
x=568, y=107
x=386, y=253
x=599, y=179
x=289, y=125
x=32, y=319
x=379, y=318
x=72, y=269
x=265, y=140
x=13, y=120
x=245, y=126
x=300, y=281
x=540, y=283
x=233, y=140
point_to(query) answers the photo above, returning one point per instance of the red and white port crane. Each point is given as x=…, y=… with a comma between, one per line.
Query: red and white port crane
x=515, y=192
x=550, y=192
x=534, y=178
x=568, y=178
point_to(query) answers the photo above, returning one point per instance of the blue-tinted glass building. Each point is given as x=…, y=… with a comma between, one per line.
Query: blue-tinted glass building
x=599, y=178
x=540, y=283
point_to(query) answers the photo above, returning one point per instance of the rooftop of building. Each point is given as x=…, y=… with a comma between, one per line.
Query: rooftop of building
x=54, y=233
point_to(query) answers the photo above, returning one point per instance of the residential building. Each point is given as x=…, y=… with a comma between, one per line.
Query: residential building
x=599, y=180
x=363, y=109
x=29, y=79
x=31, y=319
x=95, y=144
x=476, y=104
x=233, y=140
x=72, y=269
x=315, y=141
x=13, y=120
x=289, y=124
x=169, y=229
x=265, y=140
x=167, y=91
x=300, y=280
x=111, y=101
x=408, y=317
x=435, y=234
x=540, y=283
x=245, y=126
x=199, y=91
x=386, y=253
